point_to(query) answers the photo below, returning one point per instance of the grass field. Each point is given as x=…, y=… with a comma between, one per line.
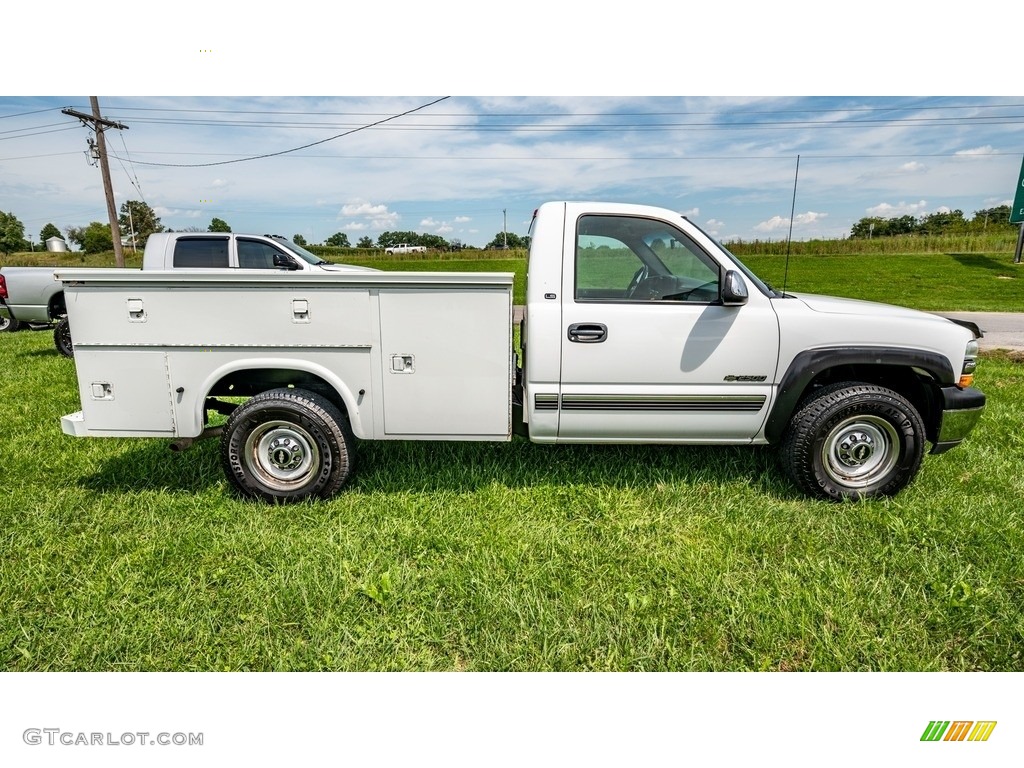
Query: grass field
x=930, y=281
x=120, y=555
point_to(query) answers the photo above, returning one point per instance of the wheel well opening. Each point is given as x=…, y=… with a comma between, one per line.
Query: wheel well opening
x=252, y=381
x=58, y=307
x=916, y=385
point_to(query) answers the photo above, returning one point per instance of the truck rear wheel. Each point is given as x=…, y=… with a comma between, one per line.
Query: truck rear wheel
x=854, y=441
x=9, y=324
x=62, y=338
x=286, y=445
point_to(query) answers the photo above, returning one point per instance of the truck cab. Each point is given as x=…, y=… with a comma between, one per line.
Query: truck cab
x=216, y=250
x=640, y=327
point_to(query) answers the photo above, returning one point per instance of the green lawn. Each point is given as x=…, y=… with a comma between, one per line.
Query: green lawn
x=929, y=281
x=983, y=282
x=120, y=555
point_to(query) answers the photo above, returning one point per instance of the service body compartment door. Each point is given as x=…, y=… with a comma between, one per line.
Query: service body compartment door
x=446, y=359
x=125, y=392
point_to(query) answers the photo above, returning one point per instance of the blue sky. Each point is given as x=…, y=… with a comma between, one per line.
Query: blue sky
x=726, y=156
x=453, y=168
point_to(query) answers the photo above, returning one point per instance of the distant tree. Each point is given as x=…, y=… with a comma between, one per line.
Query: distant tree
x=51, y=231
x=388, y=239
x=365, y=242
x=992, y=219
x=299, y=240
x=433, y=241
x=75, y=235
x=12, y=233
x=513, y=240
x=866, y=227
x=218, y=225
x=945, y=223
x=136, y=216
x=194, y=229
x=338, y=238
x=96, y=238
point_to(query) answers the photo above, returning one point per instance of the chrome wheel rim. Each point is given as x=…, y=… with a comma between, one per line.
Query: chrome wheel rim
x=282, y=455
x=860, y=450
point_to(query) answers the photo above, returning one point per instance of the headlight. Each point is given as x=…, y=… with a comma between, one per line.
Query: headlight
x=970, y=363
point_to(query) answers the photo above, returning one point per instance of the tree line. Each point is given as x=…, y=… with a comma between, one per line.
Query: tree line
x=987, y=220
x=137, y=221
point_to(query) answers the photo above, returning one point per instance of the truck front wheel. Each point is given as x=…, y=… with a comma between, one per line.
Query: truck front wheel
x=286, y=445
x=854, y=441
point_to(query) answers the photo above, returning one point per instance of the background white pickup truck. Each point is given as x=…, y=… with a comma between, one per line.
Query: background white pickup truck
x=639, y=328
x=32, y=295
x=405, y=248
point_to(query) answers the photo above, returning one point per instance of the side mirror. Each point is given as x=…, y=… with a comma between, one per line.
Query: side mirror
x=284, y=261
x=734, y=290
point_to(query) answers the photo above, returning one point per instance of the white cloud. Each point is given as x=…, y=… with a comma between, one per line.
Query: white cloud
x=428, y=223
x=810, y=217
x=776, y=223
x=886, y=211
x=772, y=224
x=985, y=150
x=162, y=211
x=219, y=183
x=913, y=167
x=691, y=214
x=363, y=209
x=462, y=219
x=379, y=216
x=358, y=226
x=714, y=223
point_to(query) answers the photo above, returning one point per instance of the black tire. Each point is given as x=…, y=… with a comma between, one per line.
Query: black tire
x=286, y=445
x=853, y=441
x=9, y=324
x=62, y=338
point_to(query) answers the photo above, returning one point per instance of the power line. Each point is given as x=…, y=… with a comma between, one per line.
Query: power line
x=304, y=146
x=623, y=158
x=1014, y=119
x=818, y=110
x=39, y=133
x=34, y=112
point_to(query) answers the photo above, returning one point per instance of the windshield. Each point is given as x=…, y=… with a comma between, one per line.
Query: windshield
x=298, y=250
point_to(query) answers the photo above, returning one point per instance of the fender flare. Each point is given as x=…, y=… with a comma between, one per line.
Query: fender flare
x=809, y=364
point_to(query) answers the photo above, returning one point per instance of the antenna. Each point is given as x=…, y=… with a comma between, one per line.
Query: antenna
x=789, y=237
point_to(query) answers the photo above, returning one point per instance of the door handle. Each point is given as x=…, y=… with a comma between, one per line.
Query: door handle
x=588, y=333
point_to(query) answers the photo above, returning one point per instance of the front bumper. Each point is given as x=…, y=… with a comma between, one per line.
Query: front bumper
x=961, y=409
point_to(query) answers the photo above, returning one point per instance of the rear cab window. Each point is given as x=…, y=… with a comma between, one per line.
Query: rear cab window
x=201, y=253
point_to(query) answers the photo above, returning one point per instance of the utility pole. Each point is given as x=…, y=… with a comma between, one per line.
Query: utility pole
x=504, y=230
x=99, y=124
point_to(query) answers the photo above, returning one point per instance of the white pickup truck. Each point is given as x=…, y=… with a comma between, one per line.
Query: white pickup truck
x=32, y=295
x=405, y=248
x=639, y=328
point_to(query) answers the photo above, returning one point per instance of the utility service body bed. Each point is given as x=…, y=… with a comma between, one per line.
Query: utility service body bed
x=420, y=356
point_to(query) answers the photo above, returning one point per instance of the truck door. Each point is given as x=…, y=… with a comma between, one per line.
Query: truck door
x=649, y=353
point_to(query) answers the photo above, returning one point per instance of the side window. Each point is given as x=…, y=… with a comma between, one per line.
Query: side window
x=255, y=254
x=627, y=258
x=201, y=252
